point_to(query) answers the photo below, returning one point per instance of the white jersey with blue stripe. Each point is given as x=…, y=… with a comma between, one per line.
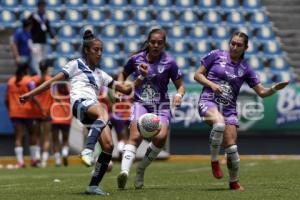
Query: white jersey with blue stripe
x=84, y=83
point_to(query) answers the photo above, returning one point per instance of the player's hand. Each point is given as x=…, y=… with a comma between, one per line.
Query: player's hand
x=177, y=100
x=24, y=98
x=143, y=68
x=217, y=89
x=280, y=85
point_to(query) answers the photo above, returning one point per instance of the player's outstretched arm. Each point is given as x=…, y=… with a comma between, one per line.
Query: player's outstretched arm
x=44, y=86
x=265, y=92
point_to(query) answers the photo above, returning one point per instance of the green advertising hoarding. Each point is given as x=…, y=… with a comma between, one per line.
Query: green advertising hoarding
x=278, y=113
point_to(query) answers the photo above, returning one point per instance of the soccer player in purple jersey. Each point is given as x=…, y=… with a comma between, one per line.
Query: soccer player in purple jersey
x=152, y=68
x=222, y=74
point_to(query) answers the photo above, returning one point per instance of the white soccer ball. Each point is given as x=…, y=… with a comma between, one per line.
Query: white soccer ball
x=149, y=125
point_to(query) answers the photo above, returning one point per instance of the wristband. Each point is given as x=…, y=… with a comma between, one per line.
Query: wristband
x=179, y=95
x=141, y=77
x=273, y=89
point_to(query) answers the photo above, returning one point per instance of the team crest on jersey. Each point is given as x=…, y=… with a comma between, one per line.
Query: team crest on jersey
x=160, y=68
x=241, y=72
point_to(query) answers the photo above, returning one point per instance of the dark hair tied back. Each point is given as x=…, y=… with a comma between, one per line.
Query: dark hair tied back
x=88, y=35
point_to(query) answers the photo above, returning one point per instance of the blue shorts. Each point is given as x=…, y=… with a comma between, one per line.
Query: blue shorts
x=24, y=121
x=80, y=108
x=62, y=127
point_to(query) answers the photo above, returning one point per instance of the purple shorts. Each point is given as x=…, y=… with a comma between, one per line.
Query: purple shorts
x=230, y=115
x=118, y=123
x=139, y=109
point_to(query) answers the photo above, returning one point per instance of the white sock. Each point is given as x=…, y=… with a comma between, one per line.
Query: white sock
x=216, y=139
x=150, y=155
x=19, y=154
x=45, y=156
x=37, y=152
x=233, y=162
x=32, y=151
x=65, y=151
x=120, y=146
x=128, y=157
x=57, y=158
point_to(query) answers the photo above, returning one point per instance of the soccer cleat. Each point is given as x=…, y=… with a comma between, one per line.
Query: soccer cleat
x=86, y=157
x=20, y=165
x=139, y=178
x=95, y=190
x=122, y=179
x=216, y=169
x=35, y=163
x=65, y=161
x=236, y=186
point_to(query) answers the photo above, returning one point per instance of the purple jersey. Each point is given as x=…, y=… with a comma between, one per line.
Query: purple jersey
x=230, y=76
x=153, y=90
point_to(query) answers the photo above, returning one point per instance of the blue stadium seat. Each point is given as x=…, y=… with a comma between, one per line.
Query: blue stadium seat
x=59, y=63
x=223, y=45
x=263, y=76
x=243, y=29
x=235, y=19
x=66, y=49
x=54, y=18
x=182, y=61
x=198, y=32
x=279, y=63
x=212, y=18
x=88, y=27
x=162, y=4
x=207, y=5
x=111, y=48
x=11, y=5
x=142, y=17
x=252, y=48
x=108, y=63
x=56, y=5
x=166, y=17
x=271, y=49
x=75, y=4
x=265, y=33
x=110, y=32
x=258, y=19
x=96, y=17
x=73, y=18
x=220, y=33
x=188, y=18
x=131, y=47
x=119, y=17
x=118, y=3
x=179, y=47
x=132, y=32
x=92, y=4
x=24, y=14
x=8, y=19
x=228, y=5
x=282, y=76
x=137, y=4
x=67, y=34
x=188, y=75
x=184, y=4
x=176, y=32
x=200, y=48
x=252, y=5
x=255, y=62
x=28, y=4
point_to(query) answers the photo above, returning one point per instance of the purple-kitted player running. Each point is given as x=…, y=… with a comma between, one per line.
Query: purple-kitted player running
x=222, y=74
x=153, y=68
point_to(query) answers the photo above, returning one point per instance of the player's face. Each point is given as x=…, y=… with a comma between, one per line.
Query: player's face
x=156, y=44
x=237, y=46
x=95, y=52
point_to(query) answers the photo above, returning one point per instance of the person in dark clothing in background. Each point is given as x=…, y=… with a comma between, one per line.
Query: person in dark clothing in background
x=40, y=28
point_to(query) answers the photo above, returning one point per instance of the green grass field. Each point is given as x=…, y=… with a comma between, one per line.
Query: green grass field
x=262, y=179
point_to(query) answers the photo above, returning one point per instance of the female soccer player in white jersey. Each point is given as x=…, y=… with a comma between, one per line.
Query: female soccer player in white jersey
x=86, y=80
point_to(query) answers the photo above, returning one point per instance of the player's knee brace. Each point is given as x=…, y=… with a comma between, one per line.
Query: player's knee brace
x=233, y=158
x=216, y=134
